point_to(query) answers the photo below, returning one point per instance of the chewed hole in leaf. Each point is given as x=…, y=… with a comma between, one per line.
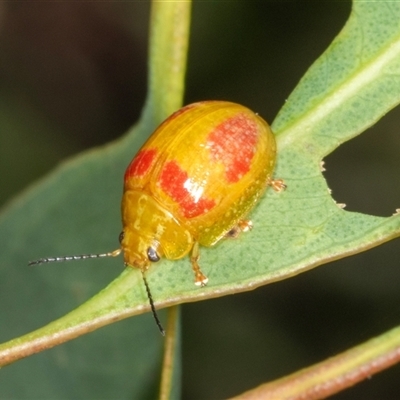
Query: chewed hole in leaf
x=363, y=172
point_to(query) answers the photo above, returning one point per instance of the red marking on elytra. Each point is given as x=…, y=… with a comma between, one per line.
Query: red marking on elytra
x=141, y=163
x=176, y=183
x=233, y=142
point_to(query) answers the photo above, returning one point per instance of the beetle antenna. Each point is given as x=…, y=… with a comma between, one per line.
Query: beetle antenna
x=70, y=258
x=110, y=254
x=153, y=309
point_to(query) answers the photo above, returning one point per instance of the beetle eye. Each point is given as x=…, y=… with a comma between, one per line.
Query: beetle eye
x=121, y=237
x=152, y=255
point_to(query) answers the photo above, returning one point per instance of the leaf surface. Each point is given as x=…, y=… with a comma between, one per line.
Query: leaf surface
x=77, y=210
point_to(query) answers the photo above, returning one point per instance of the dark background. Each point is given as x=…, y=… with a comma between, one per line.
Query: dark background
x=73, y=76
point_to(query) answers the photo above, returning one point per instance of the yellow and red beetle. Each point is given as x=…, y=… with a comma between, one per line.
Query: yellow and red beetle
x=193, y=183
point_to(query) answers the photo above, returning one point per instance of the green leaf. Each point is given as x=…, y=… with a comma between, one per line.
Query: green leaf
x=76, y=210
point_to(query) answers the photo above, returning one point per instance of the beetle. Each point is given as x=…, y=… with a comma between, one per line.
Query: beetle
x=192, y=184
x=194, y=181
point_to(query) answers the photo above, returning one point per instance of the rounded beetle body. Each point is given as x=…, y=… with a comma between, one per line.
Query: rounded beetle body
x=193, y=181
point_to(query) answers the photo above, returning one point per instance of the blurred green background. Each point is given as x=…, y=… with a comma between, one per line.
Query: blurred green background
x=73, y=76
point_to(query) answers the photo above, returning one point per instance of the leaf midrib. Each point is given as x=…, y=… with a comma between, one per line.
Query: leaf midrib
x=363, y=76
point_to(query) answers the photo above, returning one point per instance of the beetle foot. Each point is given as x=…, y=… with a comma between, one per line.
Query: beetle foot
x=277, y=184
x=244, y=225
x=200, y=279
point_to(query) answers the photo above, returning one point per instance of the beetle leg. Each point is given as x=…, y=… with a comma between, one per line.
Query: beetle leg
x=277, y=184
x=244, y=225
x=199, y=278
